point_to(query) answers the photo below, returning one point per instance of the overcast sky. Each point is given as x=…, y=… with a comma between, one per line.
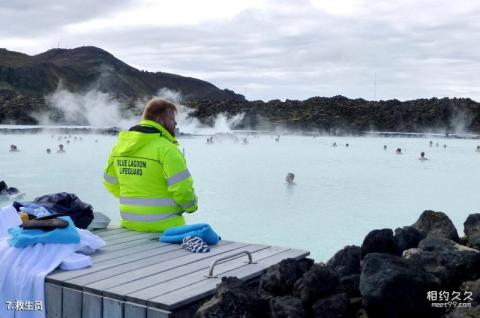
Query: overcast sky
x=267, y=49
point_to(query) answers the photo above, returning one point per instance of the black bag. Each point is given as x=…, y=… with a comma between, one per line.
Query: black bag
x=69, y=204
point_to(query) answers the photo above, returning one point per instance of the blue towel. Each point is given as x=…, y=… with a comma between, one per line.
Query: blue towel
x=201, y=230
x=195, y=244
x=25, y=237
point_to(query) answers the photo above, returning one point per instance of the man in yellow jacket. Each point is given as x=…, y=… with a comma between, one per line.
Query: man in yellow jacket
x=149, y=174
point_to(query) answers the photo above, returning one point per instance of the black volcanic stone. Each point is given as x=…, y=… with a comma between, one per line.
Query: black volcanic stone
x=233, y=298
x=436, y=224
x=286, y=307
x=346, y=261
x=350, y=285
x=278, y=280
x=378, y=241
x=318, y=282
x=471, y=228
x=452, y=263
x=393, y=287
x=334, y=306
x=405, y=238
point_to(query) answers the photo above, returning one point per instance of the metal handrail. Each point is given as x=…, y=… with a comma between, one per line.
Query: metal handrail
x=221, y=260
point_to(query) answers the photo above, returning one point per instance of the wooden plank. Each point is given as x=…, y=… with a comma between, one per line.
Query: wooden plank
x=149, y=245
x=72, y=303
x=144, y=277
x=106, y=232
x=159, y=284
x=206, y=287
x=112, y=236
x=126, y=238
x=92, y=306
x=53, y=300
x=64, y=276
x=158, y=313
x=133, y=310
x=112, y=308
x=136, y=241
x=158, y=255
x=128, y=269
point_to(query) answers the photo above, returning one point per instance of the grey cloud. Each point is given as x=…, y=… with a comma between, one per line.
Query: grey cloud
x=417, y=49
x=26, y=18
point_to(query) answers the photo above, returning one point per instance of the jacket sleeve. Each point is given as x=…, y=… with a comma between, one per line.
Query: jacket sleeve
x=110, y=180
x=179, y=180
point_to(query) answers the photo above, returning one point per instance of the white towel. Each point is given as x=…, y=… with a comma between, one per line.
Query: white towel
x=23, y=270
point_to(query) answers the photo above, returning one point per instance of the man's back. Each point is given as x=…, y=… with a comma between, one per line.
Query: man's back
x=148, y=173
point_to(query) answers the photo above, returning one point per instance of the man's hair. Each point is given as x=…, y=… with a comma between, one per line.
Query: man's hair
x=156, y=107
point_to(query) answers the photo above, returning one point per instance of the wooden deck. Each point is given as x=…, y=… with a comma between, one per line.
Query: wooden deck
x=135, y=275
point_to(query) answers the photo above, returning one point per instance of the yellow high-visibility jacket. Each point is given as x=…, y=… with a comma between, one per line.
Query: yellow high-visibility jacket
x=149, y=175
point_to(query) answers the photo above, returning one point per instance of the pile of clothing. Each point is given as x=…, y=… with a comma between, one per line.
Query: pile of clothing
x=194, y=238
x=52, y=236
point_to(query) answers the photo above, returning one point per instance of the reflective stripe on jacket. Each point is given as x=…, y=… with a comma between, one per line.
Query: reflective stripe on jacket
x=149, y=175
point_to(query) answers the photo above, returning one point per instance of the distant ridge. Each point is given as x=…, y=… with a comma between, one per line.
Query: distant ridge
x=80, y=68
x=26, y=80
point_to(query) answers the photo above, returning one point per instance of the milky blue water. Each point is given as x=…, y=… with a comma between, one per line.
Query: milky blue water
x=340, y=193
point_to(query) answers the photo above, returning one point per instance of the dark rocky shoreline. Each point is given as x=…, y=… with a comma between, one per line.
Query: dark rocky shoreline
x=333, y=115
x=408, y=272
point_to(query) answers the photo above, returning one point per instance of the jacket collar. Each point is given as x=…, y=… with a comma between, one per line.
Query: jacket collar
x=165, y=133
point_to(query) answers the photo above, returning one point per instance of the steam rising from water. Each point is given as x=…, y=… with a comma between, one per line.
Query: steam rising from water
x=99, y=109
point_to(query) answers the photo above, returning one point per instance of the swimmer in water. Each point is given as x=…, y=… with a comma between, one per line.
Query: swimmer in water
x=334, y=144
x=49, y=151
x=289, y=178
x=431, y=143
x=422, y=156
x=398, y=151
x=384, y=147
x=60, y=149
x=346, y=145
x=444, y=146
x=13, y=148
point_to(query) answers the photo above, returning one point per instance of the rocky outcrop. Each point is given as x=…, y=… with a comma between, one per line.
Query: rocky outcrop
x=378, y=241
x=405, y=238
x=233, y=298
x=396, y=278
x=319, y=281
x=280, y=278
x=436, y=224
x=286, y=307
x=452, y=263
x=393, y=287
x=472, y=230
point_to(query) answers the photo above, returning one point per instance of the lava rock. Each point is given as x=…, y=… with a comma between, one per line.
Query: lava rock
x=393, y=287
x=286, y=307
x=405, y=238
x=279, y=279
x=319, y=281
x=452, y=263
x=471, y=228
x=471, y=312
x=350, y=285
x=335, y=306
x=436, y=224
x=378, y=241
x=233, y=298
x=346, y=261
